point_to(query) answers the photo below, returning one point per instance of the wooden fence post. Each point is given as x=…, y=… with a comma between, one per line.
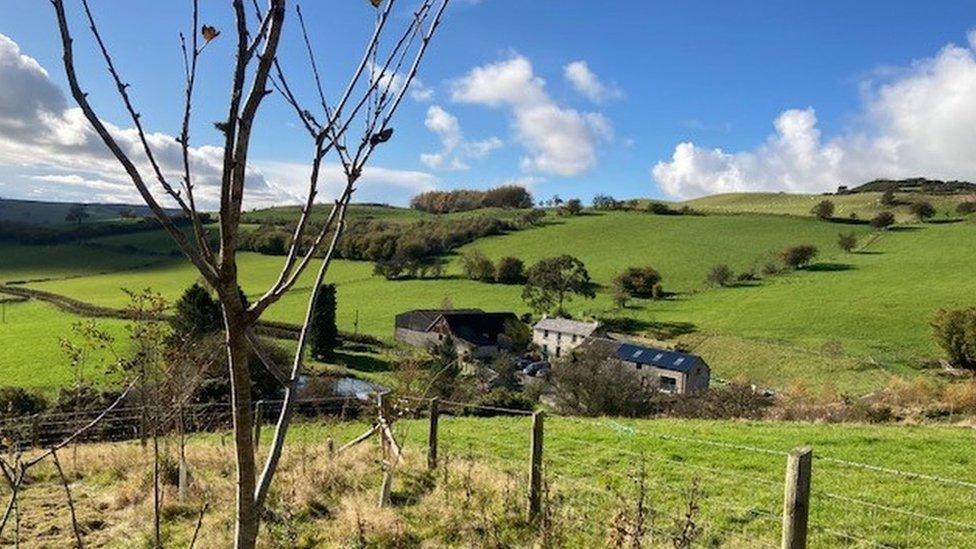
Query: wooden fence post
x=796, y=499
x=258, y=421
x=535, y=468
x=432, y=434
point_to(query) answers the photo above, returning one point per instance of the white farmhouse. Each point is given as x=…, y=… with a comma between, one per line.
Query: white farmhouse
x=557, y=336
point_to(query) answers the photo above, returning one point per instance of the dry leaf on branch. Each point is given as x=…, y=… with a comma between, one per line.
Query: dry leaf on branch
x=376, y=3
x=381, y=137
x=209, y=33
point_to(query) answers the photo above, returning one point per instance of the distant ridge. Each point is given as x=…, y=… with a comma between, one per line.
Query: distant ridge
x=912, y=185
x=40, y=212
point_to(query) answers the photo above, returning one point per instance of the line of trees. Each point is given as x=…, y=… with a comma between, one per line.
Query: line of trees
x=30, y=234
x=462, y=200
x=399, y=249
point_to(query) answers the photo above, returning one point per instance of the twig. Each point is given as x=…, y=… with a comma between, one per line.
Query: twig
x=71, y=502
x=196, y=530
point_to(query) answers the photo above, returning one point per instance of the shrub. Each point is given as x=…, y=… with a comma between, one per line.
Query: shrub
x=847, y=242
x=587, y=384
x=659, y=208
x=955, y=332
x=507, y=196
x=720, y=275
x=797, y=257
x=477, y=266
x=510, y=270
x=501, y=398
x=823, y=210
x=960, y=397
x=323, y=333
x=733, y=401
x=888, y=198
x=965, y=208
x=574, y=206
x=196, y=313
x=605, y=202
x=883, y=220
x=17, y=401
x=638, y=281
x=922, y=210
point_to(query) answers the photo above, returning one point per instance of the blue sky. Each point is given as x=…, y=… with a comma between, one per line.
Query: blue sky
x=599, y=98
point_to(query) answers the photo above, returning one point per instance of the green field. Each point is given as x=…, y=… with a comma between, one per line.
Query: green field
x=30, y=349
x=864, y=205
x=888, y=486
x=850, y=322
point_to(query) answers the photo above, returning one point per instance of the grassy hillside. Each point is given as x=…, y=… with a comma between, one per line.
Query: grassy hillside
x=681, y=248
x=30, y=352
x=22, y=263
x=864, y=205
x=850, y=322
x=53, y=213
x=478, y=493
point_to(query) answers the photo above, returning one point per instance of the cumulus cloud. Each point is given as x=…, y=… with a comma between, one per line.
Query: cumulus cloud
x=559, y=140
x=454, y=149
x=377, y=184
x=586, y=82
x=918, y=121
x=49, y=150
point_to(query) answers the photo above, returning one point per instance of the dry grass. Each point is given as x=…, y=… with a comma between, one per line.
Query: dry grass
x=317, y=501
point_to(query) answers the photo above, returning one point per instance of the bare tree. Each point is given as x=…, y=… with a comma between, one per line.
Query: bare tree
x=371, y=97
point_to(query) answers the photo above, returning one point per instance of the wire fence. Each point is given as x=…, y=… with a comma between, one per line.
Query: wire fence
x=727, y=492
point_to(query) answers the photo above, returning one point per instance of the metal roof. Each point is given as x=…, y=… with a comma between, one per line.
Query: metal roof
x=567, y=326
x=659, y=358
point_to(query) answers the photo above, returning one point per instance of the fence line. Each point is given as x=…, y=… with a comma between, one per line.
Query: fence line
x=898, y=472
x=898, y=510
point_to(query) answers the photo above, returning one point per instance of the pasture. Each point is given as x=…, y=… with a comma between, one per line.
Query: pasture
x=894, y=486
x=850, y=322
x=863, y=205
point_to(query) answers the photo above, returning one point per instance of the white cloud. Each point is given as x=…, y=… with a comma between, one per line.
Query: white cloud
x=921, y=121
x=49, y=150
x=559, y=140
x=377, y=184
x=454, y=148
x=586, y=82
x=420, y=92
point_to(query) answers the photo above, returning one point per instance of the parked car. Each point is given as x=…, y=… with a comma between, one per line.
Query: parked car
x=536, y=368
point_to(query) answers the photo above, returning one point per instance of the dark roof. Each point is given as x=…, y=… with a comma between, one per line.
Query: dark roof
x=420, y=320
x=478, y=328
x=659, y=358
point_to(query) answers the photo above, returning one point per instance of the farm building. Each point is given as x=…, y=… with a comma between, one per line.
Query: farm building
x=475, y=333
x=557, y=336
x=669, y=371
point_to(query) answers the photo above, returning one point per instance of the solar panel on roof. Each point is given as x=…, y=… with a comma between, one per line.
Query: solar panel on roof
x=659, y=356
x=679, y=361
x=638, y=353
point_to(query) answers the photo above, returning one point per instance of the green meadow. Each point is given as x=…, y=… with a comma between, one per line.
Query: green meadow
x=863, y=205
x=739, y=466
x=849, y=322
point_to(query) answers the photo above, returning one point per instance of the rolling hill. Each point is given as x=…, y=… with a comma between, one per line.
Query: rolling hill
x=850, y=322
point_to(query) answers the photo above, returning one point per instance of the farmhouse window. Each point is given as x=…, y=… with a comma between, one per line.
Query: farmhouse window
x=668, y=384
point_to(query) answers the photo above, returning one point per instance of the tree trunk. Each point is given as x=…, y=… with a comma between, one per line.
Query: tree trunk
x=248, y=516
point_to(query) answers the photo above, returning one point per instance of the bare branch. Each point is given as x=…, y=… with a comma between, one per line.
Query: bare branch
x=67, y=440
x=235, y=191
x=205, y=268
x=71, y=501
x=136, y=117
x=190, y=66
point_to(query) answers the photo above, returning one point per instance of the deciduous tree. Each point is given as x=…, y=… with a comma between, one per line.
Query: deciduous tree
x=554, y=281
x=376, y=88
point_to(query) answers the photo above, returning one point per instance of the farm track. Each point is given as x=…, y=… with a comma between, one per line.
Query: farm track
x=267, y=328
